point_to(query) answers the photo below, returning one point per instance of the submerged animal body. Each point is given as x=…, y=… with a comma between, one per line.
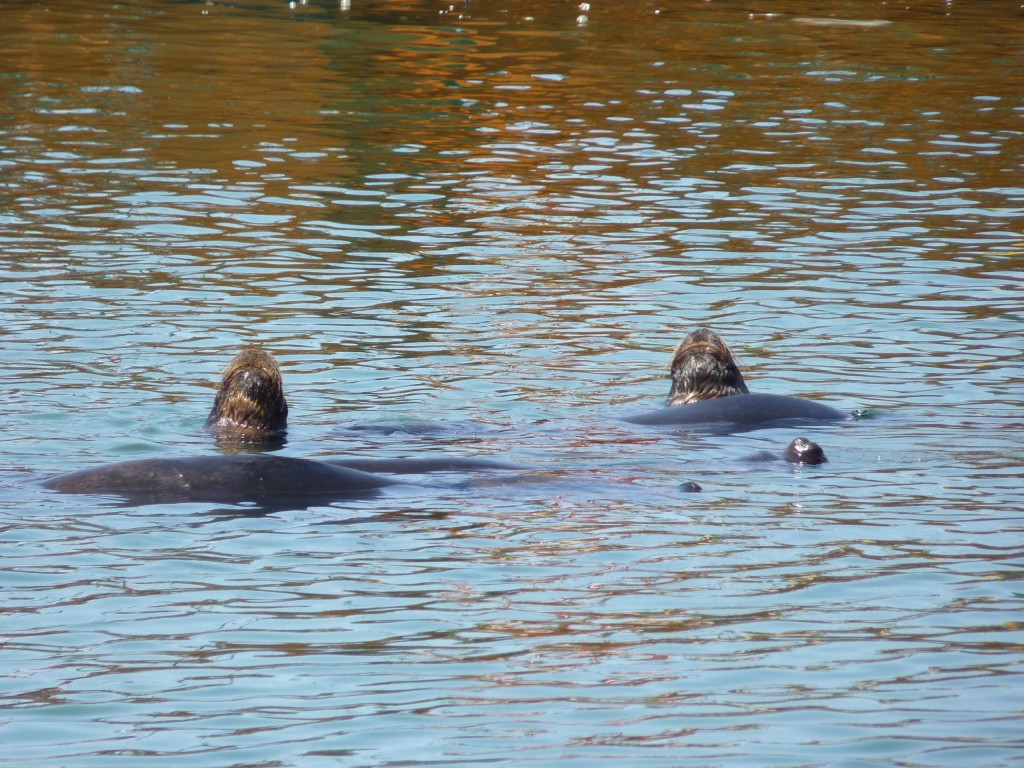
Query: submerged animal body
x=417, y=466
x=800, y=452
x=741, y=410
x=250, y=409
x=268, y=481
x=230, y=479
x=708, y=389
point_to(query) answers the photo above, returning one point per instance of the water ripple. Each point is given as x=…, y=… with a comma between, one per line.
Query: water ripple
x=481, y=230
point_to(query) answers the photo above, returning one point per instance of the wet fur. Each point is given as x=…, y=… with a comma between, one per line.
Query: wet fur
x=250, y=405
x=704, y=368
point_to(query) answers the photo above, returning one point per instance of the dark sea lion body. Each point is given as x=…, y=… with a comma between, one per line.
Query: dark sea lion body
x=744, y=411
x=221, y=479
x=708, y=389
x=271, y=483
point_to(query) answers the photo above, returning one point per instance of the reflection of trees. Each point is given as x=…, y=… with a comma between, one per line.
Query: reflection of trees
x=491, y=150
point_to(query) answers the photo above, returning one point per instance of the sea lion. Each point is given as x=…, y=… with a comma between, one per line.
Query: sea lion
x=250, y=406
x=232, y=479
x=744, y=411
x=270, y=481
x=708, y=388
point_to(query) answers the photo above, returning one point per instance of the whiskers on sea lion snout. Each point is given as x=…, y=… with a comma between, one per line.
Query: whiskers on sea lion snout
x=250, y=406
x=703, y=368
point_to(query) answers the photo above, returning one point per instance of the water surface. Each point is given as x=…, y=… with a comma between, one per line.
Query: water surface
x=500, y=217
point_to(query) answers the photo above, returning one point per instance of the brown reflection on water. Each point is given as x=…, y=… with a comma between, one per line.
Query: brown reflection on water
x=726, y=150
x=235, y=95
x=172, y=85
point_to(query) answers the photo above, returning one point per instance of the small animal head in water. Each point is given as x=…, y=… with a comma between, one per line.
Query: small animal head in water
x=250, y=406
x=703, y=368
x=804, y=451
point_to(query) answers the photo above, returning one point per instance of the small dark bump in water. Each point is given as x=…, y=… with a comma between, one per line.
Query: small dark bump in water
x=690, y=487
x=804, y=451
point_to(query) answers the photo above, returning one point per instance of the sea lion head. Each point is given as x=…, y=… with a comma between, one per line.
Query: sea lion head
x=703, y=368
x=250, y=406
x=804, y=451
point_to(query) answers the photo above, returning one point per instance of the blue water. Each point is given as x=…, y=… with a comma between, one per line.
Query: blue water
x=498, y=218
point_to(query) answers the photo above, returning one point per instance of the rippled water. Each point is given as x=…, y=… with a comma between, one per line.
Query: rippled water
x=499, y=217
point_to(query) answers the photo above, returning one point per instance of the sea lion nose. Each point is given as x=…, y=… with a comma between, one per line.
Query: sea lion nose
x=804, y=451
